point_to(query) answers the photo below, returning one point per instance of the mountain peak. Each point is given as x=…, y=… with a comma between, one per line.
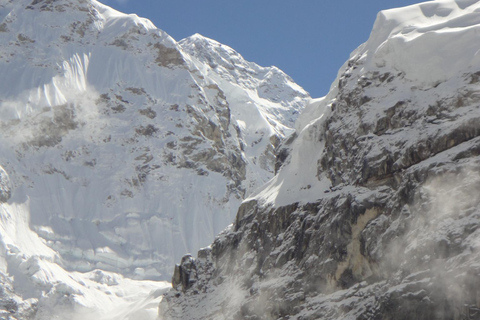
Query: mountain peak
x=197, y=37
x=121, y=150
x=200, y=46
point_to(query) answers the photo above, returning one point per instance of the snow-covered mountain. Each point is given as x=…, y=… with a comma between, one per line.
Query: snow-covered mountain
x=375, y=213
x=121, y=151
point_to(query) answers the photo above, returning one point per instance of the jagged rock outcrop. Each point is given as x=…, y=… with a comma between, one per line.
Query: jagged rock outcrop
x=5, y=188
x=374, y=213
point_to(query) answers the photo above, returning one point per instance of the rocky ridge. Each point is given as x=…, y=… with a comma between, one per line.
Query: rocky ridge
x=374, y=213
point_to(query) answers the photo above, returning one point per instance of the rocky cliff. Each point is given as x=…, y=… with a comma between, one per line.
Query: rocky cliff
x=375, y=211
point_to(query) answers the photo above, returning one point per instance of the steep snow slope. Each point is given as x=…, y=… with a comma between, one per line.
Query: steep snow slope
x=34, y=286
x=121, y=150
x=375, y=213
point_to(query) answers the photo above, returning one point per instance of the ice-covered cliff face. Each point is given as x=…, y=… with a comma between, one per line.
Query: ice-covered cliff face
x=122, y=149
x=375, y=213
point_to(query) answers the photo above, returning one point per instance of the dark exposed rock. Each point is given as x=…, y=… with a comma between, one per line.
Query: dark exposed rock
x=168, y=57
x=48, y=131
x=185, y=275
x=149, y=113
x=5, y=188
x=148, y=130
x=282, y=151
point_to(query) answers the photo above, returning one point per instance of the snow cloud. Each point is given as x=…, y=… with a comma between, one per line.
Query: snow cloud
x=436, y=239
x=25, y=117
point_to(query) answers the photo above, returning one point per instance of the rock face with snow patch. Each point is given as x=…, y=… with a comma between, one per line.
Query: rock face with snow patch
x=375, y=212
